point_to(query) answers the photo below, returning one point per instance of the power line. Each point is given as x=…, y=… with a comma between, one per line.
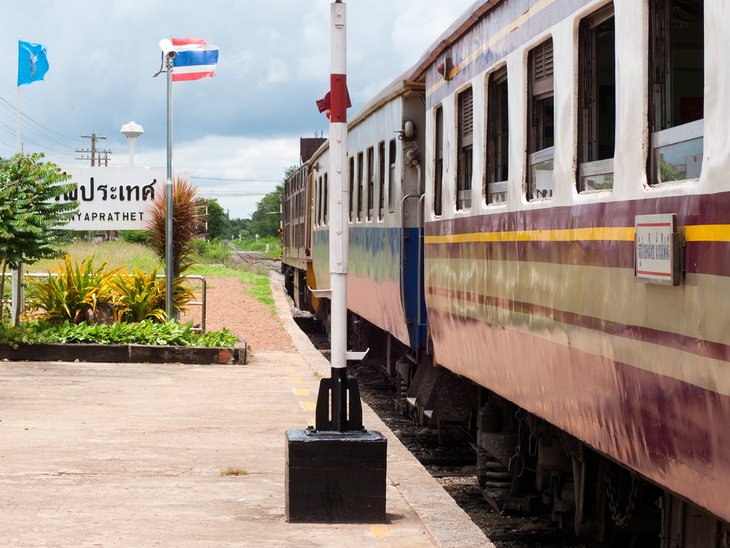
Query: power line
x=237, y=180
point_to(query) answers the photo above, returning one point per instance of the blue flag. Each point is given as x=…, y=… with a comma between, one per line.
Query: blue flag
x=32, y=62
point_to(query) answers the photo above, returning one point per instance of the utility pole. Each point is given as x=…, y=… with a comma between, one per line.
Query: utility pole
x=93, y=152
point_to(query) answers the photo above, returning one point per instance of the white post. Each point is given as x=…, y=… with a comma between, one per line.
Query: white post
x=338, y=228
x=131, y=151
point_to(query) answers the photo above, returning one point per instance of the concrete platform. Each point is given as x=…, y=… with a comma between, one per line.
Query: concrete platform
x=104, y=454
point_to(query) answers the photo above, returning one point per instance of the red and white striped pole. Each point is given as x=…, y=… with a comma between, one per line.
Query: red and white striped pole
x=338, y=226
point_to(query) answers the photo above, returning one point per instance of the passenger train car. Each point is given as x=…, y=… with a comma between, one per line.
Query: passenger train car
x=573, y=253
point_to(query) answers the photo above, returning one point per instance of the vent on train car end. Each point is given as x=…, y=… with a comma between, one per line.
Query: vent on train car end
x=444, y=68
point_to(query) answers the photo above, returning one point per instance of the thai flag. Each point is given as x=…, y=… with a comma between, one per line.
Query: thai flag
x=195, y=59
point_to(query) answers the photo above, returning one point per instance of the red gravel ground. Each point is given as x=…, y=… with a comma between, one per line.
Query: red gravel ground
x=230, y=305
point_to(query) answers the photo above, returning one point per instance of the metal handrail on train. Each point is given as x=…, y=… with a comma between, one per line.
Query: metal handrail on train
x=202, y=303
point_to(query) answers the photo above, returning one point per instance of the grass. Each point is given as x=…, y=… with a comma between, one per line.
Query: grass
x=116, y=253
x=252, y=244
x=257, y=284
x=130, y=255
x=234, y=471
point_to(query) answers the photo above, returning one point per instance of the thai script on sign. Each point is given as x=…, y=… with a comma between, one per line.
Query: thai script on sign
x=122, y=192
x=113, y=198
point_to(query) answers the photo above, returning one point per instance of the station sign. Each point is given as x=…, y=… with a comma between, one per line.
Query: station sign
x=657, y=249
x=113, y=198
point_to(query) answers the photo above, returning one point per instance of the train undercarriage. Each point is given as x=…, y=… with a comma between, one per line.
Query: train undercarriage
x=526, y=466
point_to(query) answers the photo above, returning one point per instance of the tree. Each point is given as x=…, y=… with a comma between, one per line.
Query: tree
x=217, y=220
x=266, y=219
x=31, y=210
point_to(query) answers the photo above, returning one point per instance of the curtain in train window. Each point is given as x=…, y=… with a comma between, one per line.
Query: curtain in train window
x=391, y=176
x=360, y=205
x=371, y=181
x=381, y=179
x=466, y=139
x=540, y=138
x=352, y=187
x=676, y=95
x=438, y=178
x=325, y=199
x=597, y=100
x=497, y=152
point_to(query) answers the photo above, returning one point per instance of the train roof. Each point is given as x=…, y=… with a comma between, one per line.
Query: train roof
x=452, y=35
x=414, y=78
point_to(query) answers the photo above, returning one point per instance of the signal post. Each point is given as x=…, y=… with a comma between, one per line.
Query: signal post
x=335, y=471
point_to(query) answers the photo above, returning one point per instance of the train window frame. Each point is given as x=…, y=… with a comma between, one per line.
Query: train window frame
x=438, y=155
x=669, y=131
x=325, y=200
x=596, y=112
x=540, y=98
x=370, y=190
x=315, y=203
x=496, y=149
x=465, y=148
x=381, y=180
x=392, y=163
x=351, y=178
x=359, y=181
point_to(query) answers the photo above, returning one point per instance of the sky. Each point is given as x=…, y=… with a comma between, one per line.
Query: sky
x=233, y=135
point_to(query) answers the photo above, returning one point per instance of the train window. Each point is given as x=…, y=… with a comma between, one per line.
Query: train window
x=381, y=179
x=360, y=204
x=597, y=100
x=371, y=181
x=438, y=178
x=497, y=153
x=318, y=205
x=676, y=93
x=324, y=200
x=540, y=140
x=352, y=187
x=315, y=203
x=466, y=139
x=391, y=175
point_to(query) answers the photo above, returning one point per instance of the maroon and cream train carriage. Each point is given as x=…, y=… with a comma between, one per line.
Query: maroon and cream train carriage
x=577, y=254
x=296, y=227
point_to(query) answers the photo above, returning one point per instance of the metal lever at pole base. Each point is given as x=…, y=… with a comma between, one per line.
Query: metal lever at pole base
x=344, y=393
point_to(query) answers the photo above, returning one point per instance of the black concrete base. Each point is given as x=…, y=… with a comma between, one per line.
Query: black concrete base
x=334, y=477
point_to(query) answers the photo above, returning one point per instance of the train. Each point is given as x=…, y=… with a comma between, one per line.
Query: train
x=539, y=250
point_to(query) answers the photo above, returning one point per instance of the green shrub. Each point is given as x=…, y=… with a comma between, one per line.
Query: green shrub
x=135, y=236
x=215, y=251
x=145, y=332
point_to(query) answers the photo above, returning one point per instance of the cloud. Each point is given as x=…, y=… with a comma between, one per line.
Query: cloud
x=274, y=62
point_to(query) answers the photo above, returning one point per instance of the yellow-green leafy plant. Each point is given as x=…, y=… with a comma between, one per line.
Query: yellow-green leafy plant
x=73, y=291
x=140, y=295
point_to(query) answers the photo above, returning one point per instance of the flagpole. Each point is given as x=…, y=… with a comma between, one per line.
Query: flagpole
x=169, y=273
x=17, y=121
x=16, y=277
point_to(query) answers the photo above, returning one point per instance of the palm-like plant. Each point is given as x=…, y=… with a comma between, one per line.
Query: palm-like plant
x=185, y=224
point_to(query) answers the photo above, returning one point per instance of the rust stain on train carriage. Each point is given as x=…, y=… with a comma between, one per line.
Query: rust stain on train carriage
x=668, y=430
x=541, y=307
